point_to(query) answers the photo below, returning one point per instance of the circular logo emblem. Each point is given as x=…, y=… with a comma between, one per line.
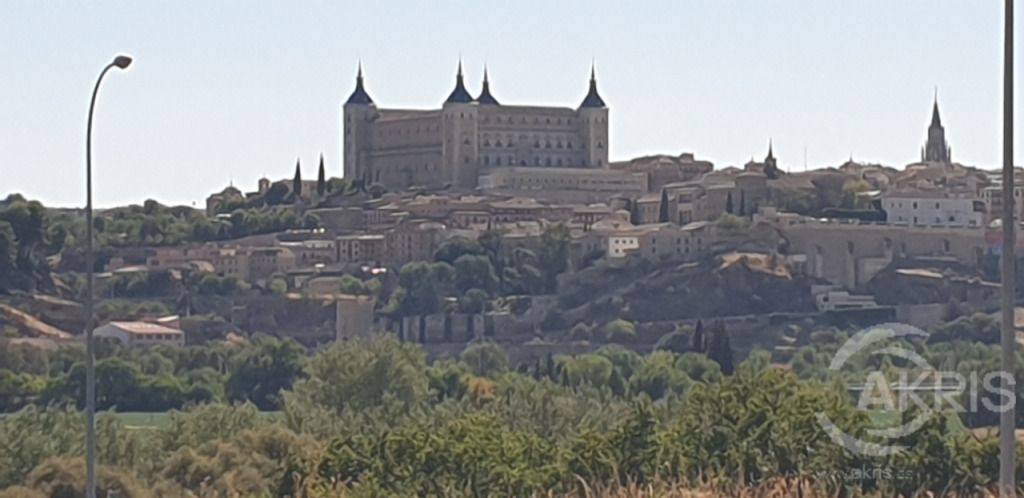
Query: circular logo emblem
x=868, y=340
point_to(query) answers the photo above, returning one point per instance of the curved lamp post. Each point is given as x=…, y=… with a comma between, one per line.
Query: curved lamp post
x=1007, y=417
x=120, y=62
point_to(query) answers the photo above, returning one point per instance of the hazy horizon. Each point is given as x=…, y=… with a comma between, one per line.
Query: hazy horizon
x=226, y=92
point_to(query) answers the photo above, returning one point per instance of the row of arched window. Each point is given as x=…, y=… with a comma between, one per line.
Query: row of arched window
x=557, y=162
x=523, y=120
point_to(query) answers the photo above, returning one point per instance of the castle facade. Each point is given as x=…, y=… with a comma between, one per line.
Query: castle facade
x=468, y=137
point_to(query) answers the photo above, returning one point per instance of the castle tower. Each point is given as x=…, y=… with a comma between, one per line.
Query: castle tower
x=459, y=127
x=358, y=114
x=936, y=149
x=485, y=97
x=594, y=116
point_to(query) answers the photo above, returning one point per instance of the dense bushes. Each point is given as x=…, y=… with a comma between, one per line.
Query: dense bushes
x=151, y=380
x=373, y=418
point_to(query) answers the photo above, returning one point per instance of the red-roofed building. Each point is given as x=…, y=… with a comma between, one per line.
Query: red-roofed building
x=141, y=333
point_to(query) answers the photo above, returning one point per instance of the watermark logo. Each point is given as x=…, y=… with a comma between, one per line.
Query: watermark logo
x=926, y=388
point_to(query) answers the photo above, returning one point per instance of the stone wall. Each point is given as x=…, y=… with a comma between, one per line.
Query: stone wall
x=849, y=254
x=354, y=316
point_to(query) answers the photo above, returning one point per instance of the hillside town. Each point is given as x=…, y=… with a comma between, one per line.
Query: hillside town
x=426, y=186
x=518, y=274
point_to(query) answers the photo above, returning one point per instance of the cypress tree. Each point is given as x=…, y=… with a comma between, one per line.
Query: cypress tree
x=634, y=213
x=698, y=344
x=321, y=179
x=728, y=203
x=663, y=207
x=297, y=181
x=720, y=349
x=743, y=203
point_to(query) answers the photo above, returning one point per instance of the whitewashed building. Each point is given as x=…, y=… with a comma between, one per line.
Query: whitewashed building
x=138, y=334
x=932, y=208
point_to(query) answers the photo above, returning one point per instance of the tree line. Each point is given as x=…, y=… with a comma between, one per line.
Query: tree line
x=372, y=417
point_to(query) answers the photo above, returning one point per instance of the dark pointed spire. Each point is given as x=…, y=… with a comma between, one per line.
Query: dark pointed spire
x=936, y=121
x=485, y=94
x=771, y=167
x=593, y=99
x=297, y=180
x=359, y=95
x=459, y=94
x=321, y=178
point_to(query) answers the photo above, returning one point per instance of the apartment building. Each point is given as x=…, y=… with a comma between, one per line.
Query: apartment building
x=933, y=207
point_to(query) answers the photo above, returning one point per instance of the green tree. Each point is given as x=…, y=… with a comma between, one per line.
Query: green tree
x=474, y=301
x=588, y=369
x=475, y=272
x=278, y=285
x=657, y=376
x=7, y=255
x=854, y=197
x=700, y=342
x=720, y=348
x=425, y=286
x=297, y=181
x=729, y=222
x=457, y=247
x=266, y=366
x=554, y=255
x=321, y=179
x=620, y=331
x=377, y=190
x=360, y=374
x=485, y=359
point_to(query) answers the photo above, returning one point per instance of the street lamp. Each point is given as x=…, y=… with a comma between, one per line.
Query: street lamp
x=1007, y=422
x=120, y=62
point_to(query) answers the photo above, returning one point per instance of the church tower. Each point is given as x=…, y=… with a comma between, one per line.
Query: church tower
x=459, y=127
x=594, y=114
x=358, y=115
x=936, y=149
x=771, y=166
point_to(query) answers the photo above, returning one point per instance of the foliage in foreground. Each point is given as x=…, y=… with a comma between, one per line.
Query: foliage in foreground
x=373, y=418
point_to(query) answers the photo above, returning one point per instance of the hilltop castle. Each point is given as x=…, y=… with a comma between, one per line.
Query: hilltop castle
x=468, y=137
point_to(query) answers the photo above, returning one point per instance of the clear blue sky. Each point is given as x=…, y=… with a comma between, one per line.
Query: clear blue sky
x=231, y=91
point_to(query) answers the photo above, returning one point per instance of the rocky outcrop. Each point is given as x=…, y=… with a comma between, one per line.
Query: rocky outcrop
x=733, y=284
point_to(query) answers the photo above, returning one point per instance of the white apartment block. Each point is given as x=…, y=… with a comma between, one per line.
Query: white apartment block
x=932, y=209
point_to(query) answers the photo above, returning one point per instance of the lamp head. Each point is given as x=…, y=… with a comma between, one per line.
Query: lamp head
x=122, y=61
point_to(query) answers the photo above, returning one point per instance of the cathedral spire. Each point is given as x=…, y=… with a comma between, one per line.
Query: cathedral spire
x=459, y=94
x=485, y=93
x=936, y=149
x=936, y=121
x=593, y=99
x=359, y=95
x=771, y=166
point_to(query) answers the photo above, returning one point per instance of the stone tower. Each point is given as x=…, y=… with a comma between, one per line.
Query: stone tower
x=936, y=149
x=594, y=115
x=358, y=114
x=459, y=129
